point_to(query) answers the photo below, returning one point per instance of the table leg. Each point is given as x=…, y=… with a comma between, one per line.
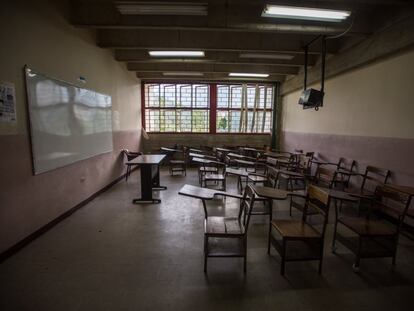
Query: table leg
x=156, y=179
x=146, y=187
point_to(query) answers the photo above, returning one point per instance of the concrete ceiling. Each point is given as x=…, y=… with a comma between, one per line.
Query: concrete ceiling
x=231, y=27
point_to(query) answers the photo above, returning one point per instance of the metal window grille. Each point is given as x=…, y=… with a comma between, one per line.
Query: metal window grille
x=243, y=108
x=177, y=107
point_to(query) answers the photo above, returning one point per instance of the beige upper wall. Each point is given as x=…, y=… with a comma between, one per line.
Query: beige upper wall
x=376, y=100
x=36, y=33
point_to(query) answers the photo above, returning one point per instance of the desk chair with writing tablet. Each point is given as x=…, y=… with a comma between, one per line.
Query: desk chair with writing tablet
x=178, y=162
x=298, y=240
x=227, y=236
x=217, y=176
x=373, y=238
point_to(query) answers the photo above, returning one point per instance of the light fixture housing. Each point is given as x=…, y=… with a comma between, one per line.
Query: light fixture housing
x=303, y=13
x=183, y=73
x=266, y=56
x=176, y=53
x=248, y=75
x=161, y=8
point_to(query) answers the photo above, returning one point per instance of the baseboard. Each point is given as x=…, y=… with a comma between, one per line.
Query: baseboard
x=19, y=245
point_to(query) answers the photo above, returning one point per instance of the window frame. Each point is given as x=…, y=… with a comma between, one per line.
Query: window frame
x=212, y=107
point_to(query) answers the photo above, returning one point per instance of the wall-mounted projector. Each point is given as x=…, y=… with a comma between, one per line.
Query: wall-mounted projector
x=311, y=98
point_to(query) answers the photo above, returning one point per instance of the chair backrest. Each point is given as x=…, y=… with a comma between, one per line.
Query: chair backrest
x=130, y=155
x=374, y=176
x=305, y=161
x=272, y=176
x=346, y=164
x=397, y=201
x=271, y=161
x=246, y=206
x=310, y=154
x=318, y=200
x=325, y=177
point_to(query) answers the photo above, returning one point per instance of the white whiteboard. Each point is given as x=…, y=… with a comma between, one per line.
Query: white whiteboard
x=67, y=123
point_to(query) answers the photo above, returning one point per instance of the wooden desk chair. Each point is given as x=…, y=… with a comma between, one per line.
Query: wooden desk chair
x=324, y=177
x=227, y=236
x=298, y=240
x=205, y=168
x=373, y=177
x=178, y=162
x=218, y=176
x=130, y=155
x=373, y=238
x=272, y=177
x=345, y=168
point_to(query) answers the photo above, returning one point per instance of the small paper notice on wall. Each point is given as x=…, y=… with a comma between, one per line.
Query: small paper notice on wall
x=7, y=102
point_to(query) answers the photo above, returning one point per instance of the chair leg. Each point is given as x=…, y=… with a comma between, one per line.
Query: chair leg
x=321, y=259
x=282, y=265
x=205, y=253
x=269, y=237
x=355, y=266
x=334, y=236
x=245, y=256
x=127, y=172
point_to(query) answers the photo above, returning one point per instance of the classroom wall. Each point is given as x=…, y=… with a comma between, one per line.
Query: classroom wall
x=367, y=116
x=37, y=33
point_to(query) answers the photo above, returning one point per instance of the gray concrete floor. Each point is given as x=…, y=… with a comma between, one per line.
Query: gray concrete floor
x=113, y=255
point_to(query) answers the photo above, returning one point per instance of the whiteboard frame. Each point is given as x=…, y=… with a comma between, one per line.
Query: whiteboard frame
x=28, y=68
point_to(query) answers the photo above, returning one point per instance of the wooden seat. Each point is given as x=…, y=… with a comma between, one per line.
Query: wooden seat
x=222, y=226
x=218, y=175
x=364, y=226
x=374, y=238
x=295, y=229
x=227, y=236
x=306, y=241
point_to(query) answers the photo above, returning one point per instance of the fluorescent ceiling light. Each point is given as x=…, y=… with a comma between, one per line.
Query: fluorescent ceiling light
x=292, y=12
x=249, y=75
x=266, y=56
x=176, y=53
x=161, y=8
x=183, y=73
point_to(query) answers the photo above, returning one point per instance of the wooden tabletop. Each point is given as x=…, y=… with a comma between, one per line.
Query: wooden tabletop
x=203, y=156
x=405, y=189
x=237, y=171
x=205, y=161
x=197, y=150
x=291, y=173
x=223, y=149
x=340, y=195
x=270, y=193
x=276, y=155
x=166, y=149
x=245, y=162
x=240, y=156
x=205, y=193
x=147, y=159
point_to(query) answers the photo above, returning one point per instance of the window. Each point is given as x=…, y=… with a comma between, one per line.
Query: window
x=177, y=108
x=188, y=108
x=244, y=108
